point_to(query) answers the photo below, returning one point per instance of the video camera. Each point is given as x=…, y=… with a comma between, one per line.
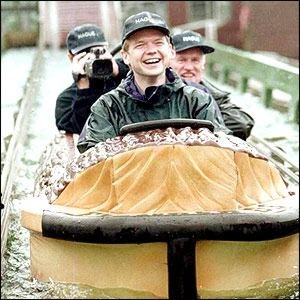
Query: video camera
x=98, y=68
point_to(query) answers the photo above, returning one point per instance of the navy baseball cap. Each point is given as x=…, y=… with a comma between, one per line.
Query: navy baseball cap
x=190, y=39
x=85, y=36
x=144, y=20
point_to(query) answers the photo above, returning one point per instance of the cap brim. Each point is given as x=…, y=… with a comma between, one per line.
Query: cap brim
x=161, y=29
x=205, y=49
x=78, y=49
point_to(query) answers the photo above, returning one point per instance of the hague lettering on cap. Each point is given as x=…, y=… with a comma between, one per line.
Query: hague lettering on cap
x=190, y=39
x=141, y=21
x=85, y=36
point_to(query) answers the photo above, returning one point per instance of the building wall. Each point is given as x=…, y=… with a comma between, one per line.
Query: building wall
x=254, y=25
x=177, y=13
x=233, y=32
x=71, y=15
x=274, y=26
x=60, y=17
x=263, y=26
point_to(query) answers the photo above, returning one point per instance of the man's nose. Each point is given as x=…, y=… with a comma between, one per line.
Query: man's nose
x=188, y=65
x=151, y=48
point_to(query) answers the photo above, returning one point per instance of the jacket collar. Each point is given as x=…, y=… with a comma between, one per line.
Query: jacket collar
x=152, y=93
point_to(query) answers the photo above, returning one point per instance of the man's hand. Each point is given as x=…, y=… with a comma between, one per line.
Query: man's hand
x=79, y=61
x=78, y=71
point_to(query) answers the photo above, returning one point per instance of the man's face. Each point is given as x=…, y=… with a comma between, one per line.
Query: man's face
x=148, y=53
x=189, y=64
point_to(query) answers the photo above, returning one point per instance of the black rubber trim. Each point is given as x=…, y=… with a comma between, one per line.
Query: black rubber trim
x=234, y=226
x=182, y=269
x=165, y=123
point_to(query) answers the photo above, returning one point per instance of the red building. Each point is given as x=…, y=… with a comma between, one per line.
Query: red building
x=59, y=17
x=250, y=25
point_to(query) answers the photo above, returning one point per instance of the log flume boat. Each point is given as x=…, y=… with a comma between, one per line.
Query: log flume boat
x=169, y=209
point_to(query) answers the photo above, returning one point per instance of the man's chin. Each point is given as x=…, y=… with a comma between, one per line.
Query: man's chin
x=154, y=72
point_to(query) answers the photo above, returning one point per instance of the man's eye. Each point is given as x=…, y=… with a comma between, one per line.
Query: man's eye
x=138, y=46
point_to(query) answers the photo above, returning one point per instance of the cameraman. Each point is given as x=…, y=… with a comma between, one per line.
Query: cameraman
x=87, y=50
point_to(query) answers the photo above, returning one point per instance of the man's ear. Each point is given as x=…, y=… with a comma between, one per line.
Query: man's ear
x=124, y=55
x=70, y=56
x=173, y=52
x=203, y=62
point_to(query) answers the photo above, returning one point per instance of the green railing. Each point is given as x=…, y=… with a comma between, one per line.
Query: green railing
x=19, y=24
x=271, y=74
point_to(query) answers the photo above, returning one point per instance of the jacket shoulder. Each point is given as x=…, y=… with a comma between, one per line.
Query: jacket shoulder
x=193, y=90
x=217, y=92
x=71, y=89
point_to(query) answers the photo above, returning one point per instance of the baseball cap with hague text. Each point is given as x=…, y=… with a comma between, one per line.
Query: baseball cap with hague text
x=141, y=21
x=190, y=39
x=85, y=36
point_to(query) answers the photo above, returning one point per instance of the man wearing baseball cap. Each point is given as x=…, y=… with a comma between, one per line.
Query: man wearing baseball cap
x=189, y=64
x=151, y=90
x=74, y=103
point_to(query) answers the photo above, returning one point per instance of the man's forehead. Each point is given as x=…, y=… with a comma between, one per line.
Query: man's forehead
x=148, y=33
x=196, y=51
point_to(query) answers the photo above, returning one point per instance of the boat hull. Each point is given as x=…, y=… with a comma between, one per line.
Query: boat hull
x=140, y=254
x=223, y=268
x=224, y=225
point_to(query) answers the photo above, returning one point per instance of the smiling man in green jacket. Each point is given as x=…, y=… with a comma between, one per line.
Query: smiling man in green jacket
x=151, y=91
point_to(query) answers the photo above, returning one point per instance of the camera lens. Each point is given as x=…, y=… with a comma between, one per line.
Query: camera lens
x=102, y=68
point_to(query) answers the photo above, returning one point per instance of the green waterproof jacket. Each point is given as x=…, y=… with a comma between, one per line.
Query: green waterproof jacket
x=125, y=105
x=236, y=119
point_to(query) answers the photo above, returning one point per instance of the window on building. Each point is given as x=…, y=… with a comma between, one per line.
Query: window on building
x=133, y=7
x=220, y=11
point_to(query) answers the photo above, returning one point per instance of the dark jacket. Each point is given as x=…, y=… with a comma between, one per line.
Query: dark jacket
x=125, y=105
x=237, y=120
x=73, y=104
